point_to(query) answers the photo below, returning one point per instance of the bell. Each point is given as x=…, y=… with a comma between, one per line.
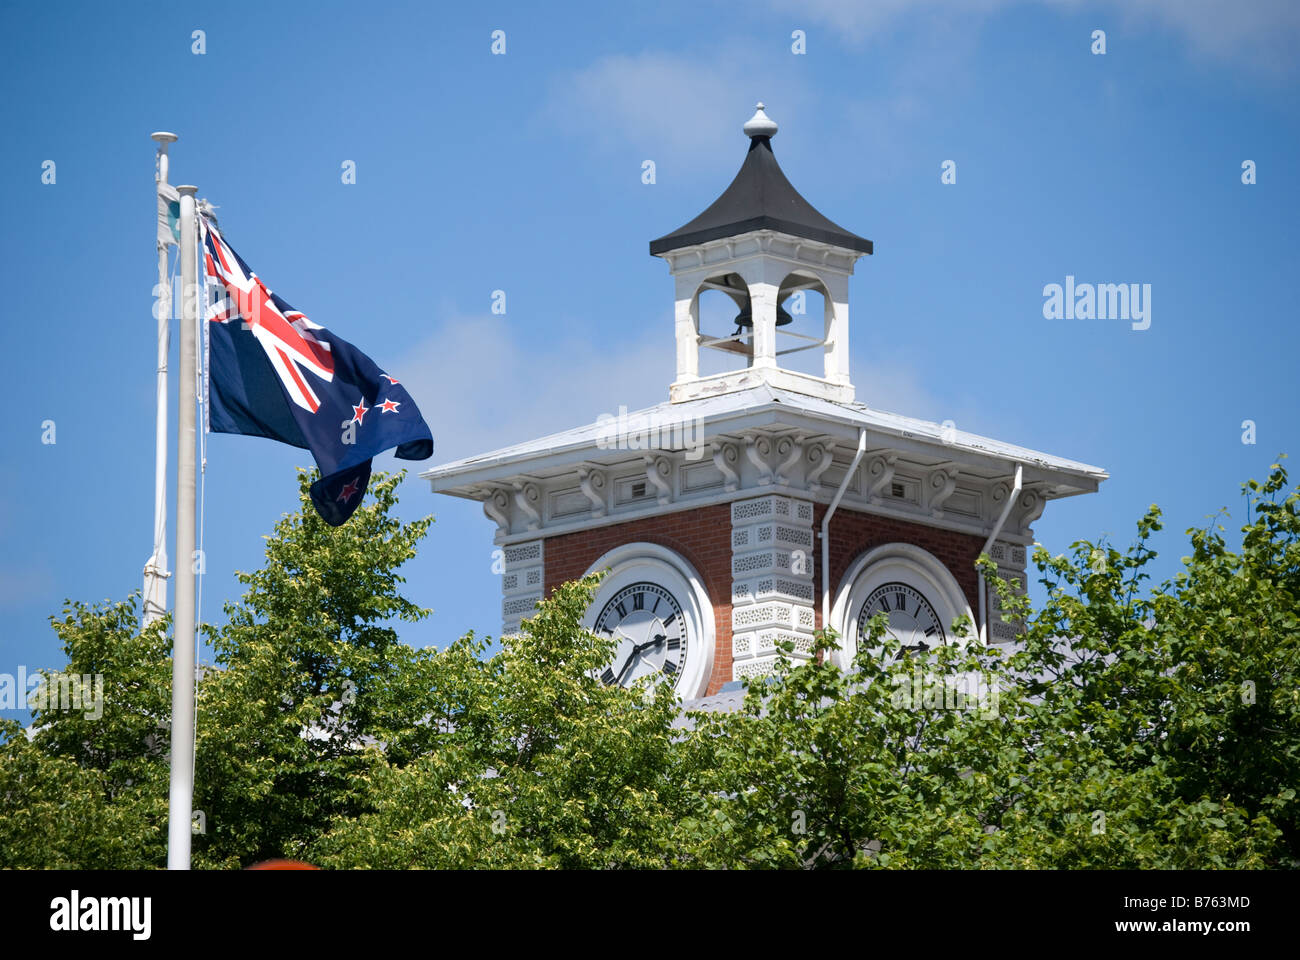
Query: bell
x=745, y=319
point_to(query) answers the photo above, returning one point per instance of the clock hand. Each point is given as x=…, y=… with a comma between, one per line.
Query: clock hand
x=641, y=648
x=637, y=650
x=618, y=681
x=652, y=642
x=624, y=638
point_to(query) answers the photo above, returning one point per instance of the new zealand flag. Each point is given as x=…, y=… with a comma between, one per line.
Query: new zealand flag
x=273, y=373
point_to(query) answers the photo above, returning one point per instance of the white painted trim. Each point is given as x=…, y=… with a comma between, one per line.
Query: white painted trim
x=775, y=244
x=889, y=562
x=562, y=451
x=634, y=562
x=827, y=517
x=1012, y=497
x=747, y=378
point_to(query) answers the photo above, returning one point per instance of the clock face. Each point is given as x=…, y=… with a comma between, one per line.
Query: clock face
x=912, y=619
x=653, y=640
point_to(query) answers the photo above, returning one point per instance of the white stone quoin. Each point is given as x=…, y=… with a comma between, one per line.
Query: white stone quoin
x=521, y=582
x=772, y=589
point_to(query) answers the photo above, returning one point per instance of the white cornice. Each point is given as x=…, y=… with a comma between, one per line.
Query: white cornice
x=887, y=483
x=759, y=441
x=773, y=244
x=766, y=409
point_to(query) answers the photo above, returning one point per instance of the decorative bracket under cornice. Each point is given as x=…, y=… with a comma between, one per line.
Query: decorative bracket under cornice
x=1033, y=502
x=791, y=449
x=726, y=457
x=659, y=471
x=941, y=482
x=758, y=449
x=820, y=454
x=528, y=498
x=591, y=479
x=881, y=470
x=496, y=506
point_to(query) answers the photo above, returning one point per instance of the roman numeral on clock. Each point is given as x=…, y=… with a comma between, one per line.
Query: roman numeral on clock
x=669, y=667
x=638, y=601
x=622, y=610
x=675, y=643
x=608, y=676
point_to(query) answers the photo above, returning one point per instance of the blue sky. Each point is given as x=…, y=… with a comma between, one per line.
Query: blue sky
x=522, y=173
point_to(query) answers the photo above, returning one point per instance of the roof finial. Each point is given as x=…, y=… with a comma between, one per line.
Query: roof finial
x=760, y=124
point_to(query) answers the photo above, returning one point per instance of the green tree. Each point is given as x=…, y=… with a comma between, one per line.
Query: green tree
x=309, y=677
x=537, y=763
x=883, y=765
x=85, y=786
x=1165, y=733
x=1131, y=728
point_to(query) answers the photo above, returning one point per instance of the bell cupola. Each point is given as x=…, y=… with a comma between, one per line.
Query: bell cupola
x=762, y=244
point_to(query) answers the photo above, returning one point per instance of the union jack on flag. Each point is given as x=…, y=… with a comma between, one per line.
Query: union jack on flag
x=273, y=373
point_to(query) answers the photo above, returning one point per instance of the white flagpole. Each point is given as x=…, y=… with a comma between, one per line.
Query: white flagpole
x=181, y=796
x=155, y=571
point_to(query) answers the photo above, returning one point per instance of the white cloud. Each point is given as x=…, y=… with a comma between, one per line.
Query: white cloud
x=858, y=19
x=482, y=385
x=1260, y=34
x=893, y=387
x=673, y=106
x=686, y=108
x=479, y=389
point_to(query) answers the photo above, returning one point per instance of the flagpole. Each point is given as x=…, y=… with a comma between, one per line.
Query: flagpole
x=155, y=571
x=181, y=796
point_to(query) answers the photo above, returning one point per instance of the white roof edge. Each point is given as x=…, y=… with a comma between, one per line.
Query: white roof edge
x=716, y=411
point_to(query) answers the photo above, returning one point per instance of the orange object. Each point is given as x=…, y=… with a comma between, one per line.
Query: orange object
x=282, y=865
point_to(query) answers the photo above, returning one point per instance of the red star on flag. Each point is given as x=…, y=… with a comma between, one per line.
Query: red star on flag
x=359, y=410
x=389, y=406
x=388, y=378
x=349, y=491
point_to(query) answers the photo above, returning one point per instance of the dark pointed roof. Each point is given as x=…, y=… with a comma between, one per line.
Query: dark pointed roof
x=760, y=198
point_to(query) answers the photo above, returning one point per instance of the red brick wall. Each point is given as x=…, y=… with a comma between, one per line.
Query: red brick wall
x=702, y=537
x=853, y=534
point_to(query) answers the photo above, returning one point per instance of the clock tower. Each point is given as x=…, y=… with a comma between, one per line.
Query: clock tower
x=761, y=500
